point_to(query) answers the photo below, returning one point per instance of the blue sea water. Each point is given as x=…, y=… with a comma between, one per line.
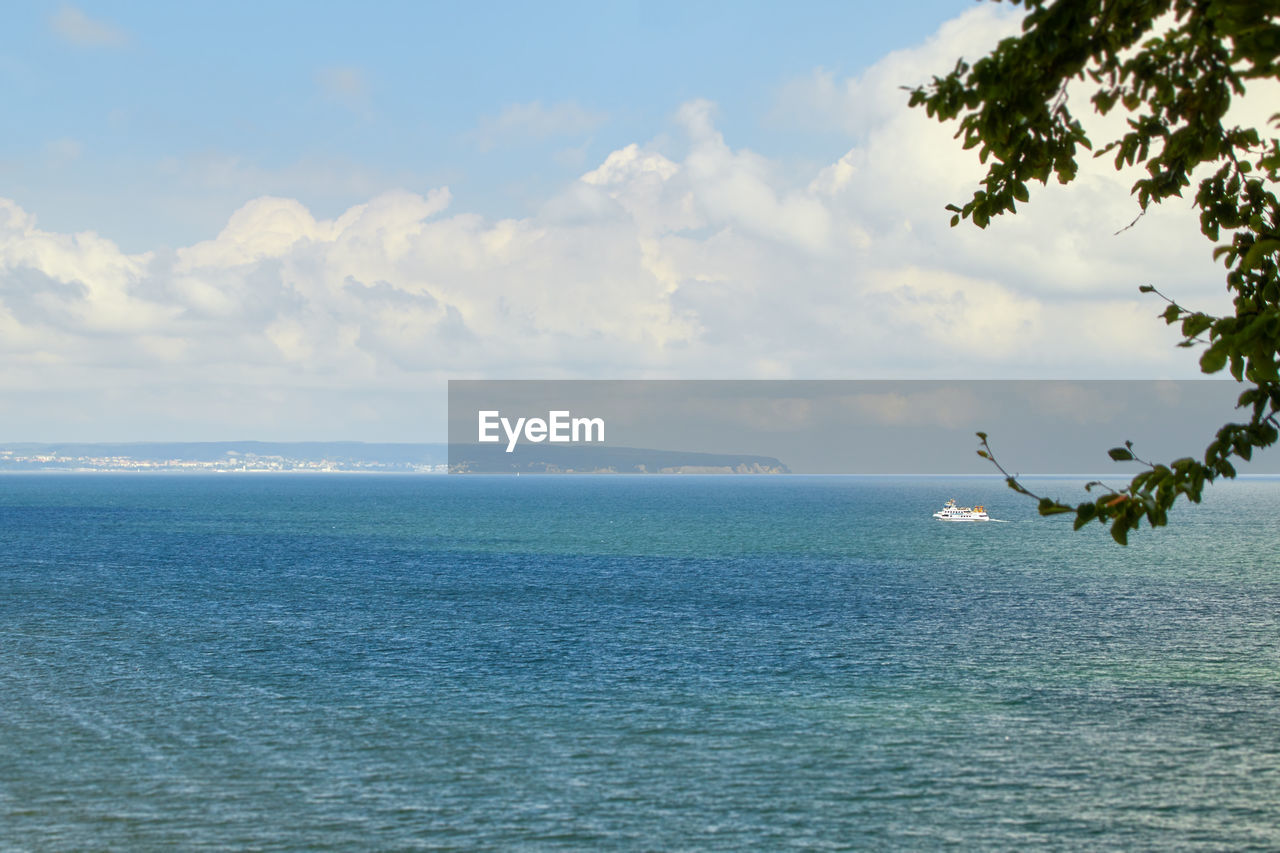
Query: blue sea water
x=362, y=662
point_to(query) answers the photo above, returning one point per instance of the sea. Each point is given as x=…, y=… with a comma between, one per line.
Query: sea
x=348, y=662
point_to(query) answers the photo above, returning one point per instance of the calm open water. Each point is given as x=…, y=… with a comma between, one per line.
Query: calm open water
x=628, y=663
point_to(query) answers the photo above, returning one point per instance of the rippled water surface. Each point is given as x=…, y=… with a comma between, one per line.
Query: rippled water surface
x=628, y=663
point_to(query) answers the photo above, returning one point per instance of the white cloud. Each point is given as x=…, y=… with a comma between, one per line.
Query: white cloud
x=518, y=123
x=347, y=85
x=73, y=25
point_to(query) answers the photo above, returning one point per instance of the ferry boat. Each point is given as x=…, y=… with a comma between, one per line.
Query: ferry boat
x=951, y=512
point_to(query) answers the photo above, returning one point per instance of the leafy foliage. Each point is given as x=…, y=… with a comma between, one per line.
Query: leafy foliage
x=1176, y=84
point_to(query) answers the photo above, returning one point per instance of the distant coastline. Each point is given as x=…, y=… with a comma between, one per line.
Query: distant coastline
x=593, y=459
x=230, y=457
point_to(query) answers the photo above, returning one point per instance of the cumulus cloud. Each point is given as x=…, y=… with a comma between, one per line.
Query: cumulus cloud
x=74, y=26
x=716, y=262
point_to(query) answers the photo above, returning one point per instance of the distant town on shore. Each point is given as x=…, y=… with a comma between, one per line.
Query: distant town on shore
x=228, y=457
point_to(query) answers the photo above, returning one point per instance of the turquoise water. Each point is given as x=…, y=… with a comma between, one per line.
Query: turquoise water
x=628, y=663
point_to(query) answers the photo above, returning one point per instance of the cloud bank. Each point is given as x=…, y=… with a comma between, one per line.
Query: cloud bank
x=714, y=263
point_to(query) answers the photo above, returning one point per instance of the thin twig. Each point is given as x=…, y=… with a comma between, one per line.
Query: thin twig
x=1131, y=224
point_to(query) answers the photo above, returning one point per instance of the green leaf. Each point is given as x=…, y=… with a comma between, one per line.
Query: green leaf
x=1084, y=514
x=1120, y=530
x=1120, y=454
x=1257, y=252
x=1213, y=360
x=1195, y=324
x=1049, y=506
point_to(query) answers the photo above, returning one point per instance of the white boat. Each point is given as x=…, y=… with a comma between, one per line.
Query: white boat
x=951, y=512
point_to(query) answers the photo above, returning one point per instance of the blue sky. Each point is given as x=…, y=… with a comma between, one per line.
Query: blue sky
x=134, y=99
x=298, y=221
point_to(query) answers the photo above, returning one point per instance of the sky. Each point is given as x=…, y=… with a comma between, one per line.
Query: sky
x=297, y=221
